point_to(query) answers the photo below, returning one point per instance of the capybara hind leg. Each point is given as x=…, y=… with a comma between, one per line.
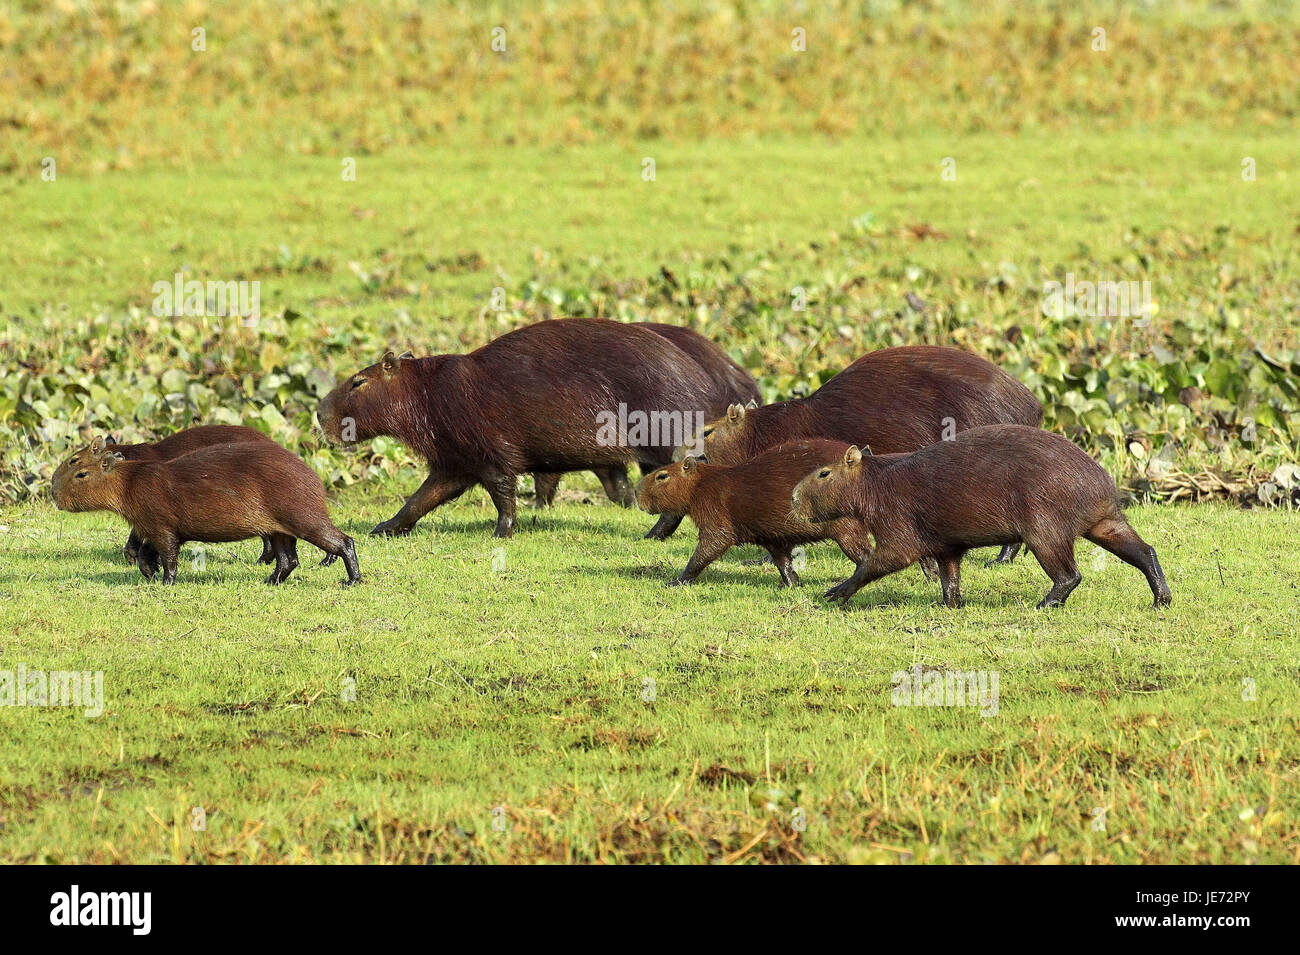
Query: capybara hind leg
x=285, y=551
x=545, y=484
x=333, y=541
x=169, y=549
x=1057, y=560
x=1118, y=537
x=785, y=565
x=950, y=580
x=147, y=560
x=929, y=568
x=707, y=550
x=501, y=488
x=664, y=527
x=131, y=550
x=1006, y=555
x=617, y=489
x=436, y=490
x=268, y=551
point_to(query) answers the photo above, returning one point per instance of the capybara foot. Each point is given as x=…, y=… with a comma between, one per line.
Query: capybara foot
x=390, y=528
x=1164, y=600
x=840, y=592
x=329, y=559
x=765, y=559
x=1005, y=556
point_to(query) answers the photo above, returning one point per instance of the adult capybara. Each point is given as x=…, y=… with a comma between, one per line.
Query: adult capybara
x=563, y=395
x=172, y=446
x=749, y=504
x=732, y=384
x=987, y=486
x=223, y=493
x=893, y=401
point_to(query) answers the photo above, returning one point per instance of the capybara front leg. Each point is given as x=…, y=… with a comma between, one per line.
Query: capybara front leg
x=545, y=484
x=785, y=566
x=285, y=551
x=707, y=550
x=1058, y=561
x=950, y=580
x=1118, y=537
x=664, y=527
x=501, y=488
x=878, y=565
x=131, y=550
x=268, y=551
x=436, y=490
x=333, y=541
x=1006, y=555
x=617, y=489
x=169, y=549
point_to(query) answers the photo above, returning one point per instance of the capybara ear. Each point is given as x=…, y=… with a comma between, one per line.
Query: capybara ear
x=389, y=362
x=736, y=413
x=852, y=457
x=688, y=464
x=109, y=461
x=109, y=439
x=701, y=459
x=406, y=354
x=866, y=449
x=97, y=445
x=753, y=403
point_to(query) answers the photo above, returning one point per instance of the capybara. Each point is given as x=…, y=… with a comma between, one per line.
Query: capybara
x=749, y=504
x=172, y=446
x=223, y=493
x=563, y=395
x=733, y=384
x=987, y=486
x=894, y=401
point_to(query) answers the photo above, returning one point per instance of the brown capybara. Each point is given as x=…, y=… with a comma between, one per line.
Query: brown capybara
x=894, y=401
x=223, y=493
x=563, y=395
x=987, y=486
x=749, y=504
x=172, y=446
x=733, y=384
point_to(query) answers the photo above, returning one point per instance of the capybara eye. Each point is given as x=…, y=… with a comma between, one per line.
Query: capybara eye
x=706, y=432
x=662, y=477
x=357, y=383
x=81, y=474
x=824, y=473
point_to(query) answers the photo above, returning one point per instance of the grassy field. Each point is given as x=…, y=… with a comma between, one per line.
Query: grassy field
x=501, y=707
x=547, y=698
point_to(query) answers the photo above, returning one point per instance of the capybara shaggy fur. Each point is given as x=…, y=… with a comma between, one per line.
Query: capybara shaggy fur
x=563, y=395
x=172, y=446
x=895, y=400
x=223, y=493
x=987, y=486
x=749, y=504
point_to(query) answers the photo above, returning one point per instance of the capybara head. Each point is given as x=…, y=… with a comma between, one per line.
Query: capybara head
x=668, y=490
x=93, y=485
x=358, y=408
x=721, y=442
x=78, y=459
x=826, y=494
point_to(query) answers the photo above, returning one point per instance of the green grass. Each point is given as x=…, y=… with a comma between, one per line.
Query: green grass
x=517, y=685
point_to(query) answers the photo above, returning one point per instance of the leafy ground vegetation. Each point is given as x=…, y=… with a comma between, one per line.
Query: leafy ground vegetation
x=918, y=173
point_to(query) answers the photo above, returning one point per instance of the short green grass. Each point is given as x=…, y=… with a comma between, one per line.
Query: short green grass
x=502, y=701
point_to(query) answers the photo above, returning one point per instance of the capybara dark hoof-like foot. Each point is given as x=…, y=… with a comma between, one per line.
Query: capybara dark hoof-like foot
x=389, y=529
x=350, y=583
x=1164, y=600
x=328, y=559
x=838, y=592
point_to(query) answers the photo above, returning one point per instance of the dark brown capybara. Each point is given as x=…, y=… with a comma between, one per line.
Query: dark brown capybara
x=733, y=384
x=894, y=401
x=987, y=486
x=749, y=504
x=563, y=395
x=172, y=446
x=223, y=493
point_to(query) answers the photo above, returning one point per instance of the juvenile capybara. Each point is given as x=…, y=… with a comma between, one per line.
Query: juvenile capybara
x=749, y=504
x=563, y=395
x=223, y=493
x=172, y=446
x=987, y=486
x=895, y=400
x=732, y=384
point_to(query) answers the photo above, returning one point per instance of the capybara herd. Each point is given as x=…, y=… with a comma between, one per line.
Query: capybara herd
x=913, y=454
